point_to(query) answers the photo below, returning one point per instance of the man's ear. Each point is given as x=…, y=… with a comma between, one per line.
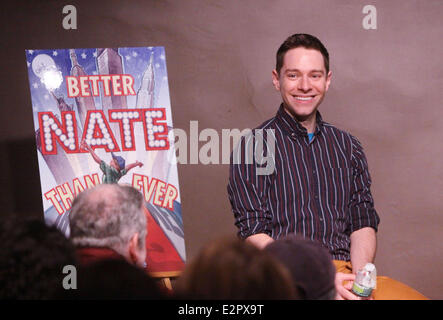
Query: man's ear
x=276, y=80
x=133, y=248
x=328, y=80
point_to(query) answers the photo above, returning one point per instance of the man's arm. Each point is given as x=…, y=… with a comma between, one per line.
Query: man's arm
x=133, y=165
x=247, y=192
x=363, y=247
x=96, y=158
x=364, y=219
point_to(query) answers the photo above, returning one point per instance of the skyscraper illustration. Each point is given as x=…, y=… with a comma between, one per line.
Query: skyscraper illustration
x=109, y=61
x=59, y=164
x=145, y=94
x=83, y=103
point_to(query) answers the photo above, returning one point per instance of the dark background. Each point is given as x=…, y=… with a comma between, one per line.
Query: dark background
x=386, y=90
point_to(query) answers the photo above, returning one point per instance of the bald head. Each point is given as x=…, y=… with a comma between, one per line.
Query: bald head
x=108, y=215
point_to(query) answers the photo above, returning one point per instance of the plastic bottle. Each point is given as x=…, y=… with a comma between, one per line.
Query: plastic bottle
x=365, y=281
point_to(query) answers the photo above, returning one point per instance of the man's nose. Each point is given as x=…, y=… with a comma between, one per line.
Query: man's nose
x=304, y=84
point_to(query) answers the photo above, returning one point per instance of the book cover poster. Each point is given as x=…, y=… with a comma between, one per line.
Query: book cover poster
x=103, y=115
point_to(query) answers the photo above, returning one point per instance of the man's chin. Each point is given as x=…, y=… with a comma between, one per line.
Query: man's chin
x=301, y=115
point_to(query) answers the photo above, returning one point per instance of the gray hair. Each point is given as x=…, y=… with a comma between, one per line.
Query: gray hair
x=108, y=215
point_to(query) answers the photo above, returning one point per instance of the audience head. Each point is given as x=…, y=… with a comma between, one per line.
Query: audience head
x=110, y=216
x=32, y=257
x=310, y=264
x=233, y=269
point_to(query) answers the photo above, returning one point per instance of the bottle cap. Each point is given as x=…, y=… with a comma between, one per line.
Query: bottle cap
x=370, y=267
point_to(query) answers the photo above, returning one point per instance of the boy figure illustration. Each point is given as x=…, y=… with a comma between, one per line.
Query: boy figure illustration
x=113, y=171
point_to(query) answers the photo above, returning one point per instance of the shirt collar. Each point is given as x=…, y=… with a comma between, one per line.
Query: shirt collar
x=88, y=255
x=291, y=125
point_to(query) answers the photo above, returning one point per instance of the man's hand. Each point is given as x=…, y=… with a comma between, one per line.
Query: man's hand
x=260, y=240
x=84, y=145
x=138, y=163
x=343, y=288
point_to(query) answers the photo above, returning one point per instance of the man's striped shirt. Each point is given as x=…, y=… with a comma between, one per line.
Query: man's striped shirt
x=319, y=189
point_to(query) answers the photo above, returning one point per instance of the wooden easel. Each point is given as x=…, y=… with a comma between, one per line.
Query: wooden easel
x=165, y=277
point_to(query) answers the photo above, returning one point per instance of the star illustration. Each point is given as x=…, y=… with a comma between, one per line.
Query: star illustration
x=54, y=53
x=31, y=51
x=35, y=85
x=134, y=54
x=83, y=55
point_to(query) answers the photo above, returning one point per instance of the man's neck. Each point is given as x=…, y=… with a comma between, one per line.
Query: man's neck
x=309, y=122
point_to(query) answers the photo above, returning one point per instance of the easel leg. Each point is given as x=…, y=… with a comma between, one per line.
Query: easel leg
x=167, y=283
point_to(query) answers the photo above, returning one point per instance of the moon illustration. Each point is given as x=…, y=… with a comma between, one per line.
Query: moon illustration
x=41, y=63
x=44, y=67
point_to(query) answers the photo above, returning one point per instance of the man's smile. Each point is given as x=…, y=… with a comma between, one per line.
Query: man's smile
x=304, y=98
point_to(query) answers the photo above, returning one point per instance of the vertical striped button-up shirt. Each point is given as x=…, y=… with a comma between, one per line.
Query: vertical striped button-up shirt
x=319, y=189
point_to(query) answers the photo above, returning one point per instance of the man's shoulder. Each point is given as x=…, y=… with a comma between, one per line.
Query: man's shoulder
x=104, y=165
x=261, y=131
x=332, y=129
x=343, y=137
x=268, y=124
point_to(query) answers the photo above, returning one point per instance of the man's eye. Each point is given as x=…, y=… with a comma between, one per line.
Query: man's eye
x=316, y=76
x=292, y=75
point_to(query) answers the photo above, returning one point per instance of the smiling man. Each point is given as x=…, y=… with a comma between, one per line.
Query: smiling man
x=320, y=188
x=302, y=76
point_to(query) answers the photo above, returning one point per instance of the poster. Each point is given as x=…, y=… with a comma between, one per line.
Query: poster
x=114, y=103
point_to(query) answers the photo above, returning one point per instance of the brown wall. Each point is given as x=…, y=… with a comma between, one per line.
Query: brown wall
x=386, y=90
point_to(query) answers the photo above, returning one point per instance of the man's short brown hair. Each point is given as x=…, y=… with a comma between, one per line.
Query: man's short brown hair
x=305, y=41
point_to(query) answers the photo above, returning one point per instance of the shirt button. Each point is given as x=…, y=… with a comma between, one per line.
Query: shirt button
x=321, y=219
x=314, y=172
